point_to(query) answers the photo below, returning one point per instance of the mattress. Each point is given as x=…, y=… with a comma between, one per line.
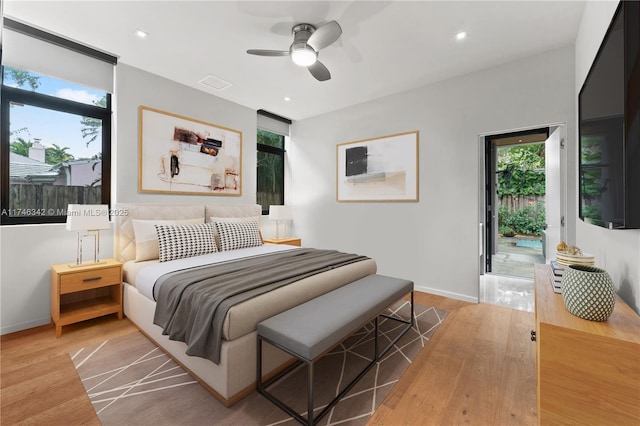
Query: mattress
x=143, y=275
x=243, y=318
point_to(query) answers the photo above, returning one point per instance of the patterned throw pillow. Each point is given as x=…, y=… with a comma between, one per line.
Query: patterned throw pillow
x=237, y=235
x=147, y=237
x=180, y=241
x=214, y=219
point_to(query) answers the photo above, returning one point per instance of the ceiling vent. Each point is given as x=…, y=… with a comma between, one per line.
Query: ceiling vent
x=214, y=82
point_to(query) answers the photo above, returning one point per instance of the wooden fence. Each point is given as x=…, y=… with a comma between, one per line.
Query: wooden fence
x=51, y=198
x=518, y=202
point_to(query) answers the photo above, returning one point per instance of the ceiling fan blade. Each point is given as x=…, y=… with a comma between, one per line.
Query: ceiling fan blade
x=261, y=52
x=325, y=35
x=319, y=71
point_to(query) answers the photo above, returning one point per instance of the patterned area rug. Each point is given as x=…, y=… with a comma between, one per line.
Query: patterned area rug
x=132, y=382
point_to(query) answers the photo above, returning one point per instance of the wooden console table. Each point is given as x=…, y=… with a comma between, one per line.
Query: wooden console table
x=588, y=372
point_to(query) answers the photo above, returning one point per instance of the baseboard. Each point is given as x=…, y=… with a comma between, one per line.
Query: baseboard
x=24, y=326
x=448, y=294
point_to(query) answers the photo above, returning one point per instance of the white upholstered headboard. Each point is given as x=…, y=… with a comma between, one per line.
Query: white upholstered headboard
x=125, y=244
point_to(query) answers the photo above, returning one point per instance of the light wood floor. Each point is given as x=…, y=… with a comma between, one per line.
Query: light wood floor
x=479, y=369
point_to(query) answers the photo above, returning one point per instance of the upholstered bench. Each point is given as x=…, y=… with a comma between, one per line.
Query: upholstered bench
x=309, y=330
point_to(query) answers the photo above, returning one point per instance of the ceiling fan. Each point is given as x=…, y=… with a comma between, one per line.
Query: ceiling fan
x=307, y=42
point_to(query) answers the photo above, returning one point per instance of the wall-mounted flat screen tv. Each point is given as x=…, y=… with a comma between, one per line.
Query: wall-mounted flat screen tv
x=609, y=127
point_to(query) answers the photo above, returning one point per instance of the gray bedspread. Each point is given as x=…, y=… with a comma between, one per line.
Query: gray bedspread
x=192, y=303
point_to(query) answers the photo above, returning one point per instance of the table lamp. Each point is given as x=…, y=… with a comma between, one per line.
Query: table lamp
x=280, y=214
x=87, y=220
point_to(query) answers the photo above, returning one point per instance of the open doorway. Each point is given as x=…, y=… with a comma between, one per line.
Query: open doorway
x=515, y=203
x=522, y=209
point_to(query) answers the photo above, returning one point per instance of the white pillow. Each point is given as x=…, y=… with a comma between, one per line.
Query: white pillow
x=180, y=241
x=214, y=219
x=147, y=238
x=238, y=234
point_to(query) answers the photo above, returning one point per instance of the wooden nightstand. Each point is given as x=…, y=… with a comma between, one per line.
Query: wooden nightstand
x=288, y=241
x=85, y=292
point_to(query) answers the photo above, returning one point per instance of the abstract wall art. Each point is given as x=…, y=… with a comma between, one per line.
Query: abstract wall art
x=379, y=169
x=181, y=155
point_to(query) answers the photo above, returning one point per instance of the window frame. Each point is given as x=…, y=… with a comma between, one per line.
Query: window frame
x=31, y=98
x=269, y=149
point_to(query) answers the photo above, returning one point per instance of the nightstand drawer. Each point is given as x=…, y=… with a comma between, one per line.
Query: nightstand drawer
x=79, y=281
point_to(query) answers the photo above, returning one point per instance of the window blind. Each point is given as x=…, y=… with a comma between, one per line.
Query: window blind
x=273, y=123
x=32, y=49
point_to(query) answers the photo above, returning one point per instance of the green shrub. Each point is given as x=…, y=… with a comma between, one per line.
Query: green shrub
x=528, y=221
x=505, y=230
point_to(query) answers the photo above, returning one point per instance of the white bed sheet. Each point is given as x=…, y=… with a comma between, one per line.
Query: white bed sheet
x=147, y=276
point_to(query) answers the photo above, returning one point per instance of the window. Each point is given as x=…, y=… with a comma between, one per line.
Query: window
x=55, y=141
x=272, y=130
x=270, y=170
x=56, y=145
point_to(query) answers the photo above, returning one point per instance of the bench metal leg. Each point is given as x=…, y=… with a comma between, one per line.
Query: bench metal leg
x=263, y=385
x=259, y=365
x=310, y=393
x=311, y=419
x=408, y=326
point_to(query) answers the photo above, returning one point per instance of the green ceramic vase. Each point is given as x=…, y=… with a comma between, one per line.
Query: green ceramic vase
x=588, y=292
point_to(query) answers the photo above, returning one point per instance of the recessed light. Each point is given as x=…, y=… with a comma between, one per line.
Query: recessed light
x=286, y=98
x=461, y=35
x=141, y=34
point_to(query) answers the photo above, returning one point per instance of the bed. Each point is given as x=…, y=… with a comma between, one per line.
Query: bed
x=233, y=376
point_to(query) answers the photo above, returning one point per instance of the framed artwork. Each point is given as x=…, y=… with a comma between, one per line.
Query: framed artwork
x=181, y=155
x=378, y=169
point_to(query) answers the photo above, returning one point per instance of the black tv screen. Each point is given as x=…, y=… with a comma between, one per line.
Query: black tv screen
x=609, y=134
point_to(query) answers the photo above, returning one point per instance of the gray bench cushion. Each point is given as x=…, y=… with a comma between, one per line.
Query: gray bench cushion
x=310, y=329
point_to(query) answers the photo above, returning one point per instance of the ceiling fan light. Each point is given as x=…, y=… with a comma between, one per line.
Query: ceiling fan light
x=304, y=57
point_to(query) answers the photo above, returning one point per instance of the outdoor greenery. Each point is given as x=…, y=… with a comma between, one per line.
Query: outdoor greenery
x=521, y=172
x=21, y=147
x=270, y=169
x=269, y=166
x=92, y=126
x=52, y=155
x=527, y=221
x=271, y=139
x=22, y=77
x=56, y=154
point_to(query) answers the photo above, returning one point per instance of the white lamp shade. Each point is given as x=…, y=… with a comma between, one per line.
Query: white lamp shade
x=280, y=213
x=85, y=217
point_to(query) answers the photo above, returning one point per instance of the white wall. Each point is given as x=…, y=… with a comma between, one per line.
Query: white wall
x=27, y=251
x=135, y=87
x=616, y=251
x=433, y=242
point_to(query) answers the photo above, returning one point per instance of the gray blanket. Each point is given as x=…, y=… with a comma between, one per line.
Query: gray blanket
x=192, y=303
